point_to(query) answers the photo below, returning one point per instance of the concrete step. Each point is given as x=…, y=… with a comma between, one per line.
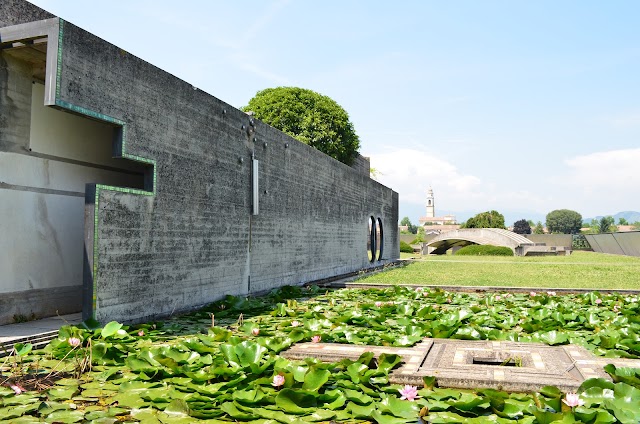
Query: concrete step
x=37, y=340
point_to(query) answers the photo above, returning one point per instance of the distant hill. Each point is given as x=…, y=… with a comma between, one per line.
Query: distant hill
x=630, y=216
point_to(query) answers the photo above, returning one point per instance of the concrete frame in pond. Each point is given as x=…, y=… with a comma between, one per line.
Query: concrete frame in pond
x=200, y=201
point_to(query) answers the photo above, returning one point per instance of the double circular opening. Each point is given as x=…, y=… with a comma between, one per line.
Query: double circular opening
x=376, y=239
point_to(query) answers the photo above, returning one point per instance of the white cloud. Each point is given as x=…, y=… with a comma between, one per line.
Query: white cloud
x=410, y=172
x=614, y=170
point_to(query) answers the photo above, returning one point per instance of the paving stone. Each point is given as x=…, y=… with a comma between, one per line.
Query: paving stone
x=502, y=365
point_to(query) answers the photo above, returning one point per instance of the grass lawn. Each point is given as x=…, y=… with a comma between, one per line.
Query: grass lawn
x=585, y=270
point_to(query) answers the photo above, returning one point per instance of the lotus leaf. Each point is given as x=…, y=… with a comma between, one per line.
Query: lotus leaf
x=332, y=399
x=296, y=401
x=358, y=397
x=111, y=329
x=399, y=408
x=62, y=393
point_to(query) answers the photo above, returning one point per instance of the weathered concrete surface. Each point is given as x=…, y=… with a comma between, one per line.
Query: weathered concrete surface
x=38, y=303
x=188, y=237
x=14, y=12
x=565, y=240
x=517, y=367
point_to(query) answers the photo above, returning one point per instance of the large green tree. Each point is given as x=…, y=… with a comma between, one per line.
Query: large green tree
x=310, y=117
x=564, y=221
x=489, y=219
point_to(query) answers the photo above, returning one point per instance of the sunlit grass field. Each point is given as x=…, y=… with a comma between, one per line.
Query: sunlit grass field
x=585, y=270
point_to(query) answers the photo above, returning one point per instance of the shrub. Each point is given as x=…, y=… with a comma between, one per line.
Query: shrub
x=405, y=247
x=485, y=250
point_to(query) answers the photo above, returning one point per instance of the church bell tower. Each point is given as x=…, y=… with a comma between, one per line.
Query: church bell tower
x=431, y=207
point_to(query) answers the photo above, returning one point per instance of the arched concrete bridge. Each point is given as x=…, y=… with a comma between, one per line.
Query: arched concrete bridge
x=493, y=236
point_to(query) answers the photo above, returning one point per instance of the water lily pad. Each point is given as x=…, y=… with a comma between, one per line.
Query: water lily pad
x=296, y=401
x=232, y=410
x=315, y=378
x=110, y=329
x=65, y=416
x=62, y=393
x=389, y=419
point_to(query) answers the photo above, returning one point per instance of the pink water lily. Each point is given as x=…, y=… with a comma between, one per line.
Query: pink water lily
x=532, y=293
x=74, y=341
x=17, y=389
x=378, y=304
x=278, y=380
x=551, y=293
x=573, y=400
x=598, y=301
x=141, y=333
x=255, y=331
x=295, y=323
x=316, y=339
x=498, y=297
x=409, y=392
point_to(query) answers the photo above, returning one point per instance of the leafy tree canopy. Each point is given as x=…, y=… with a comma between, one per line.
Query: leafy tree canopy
x=413, y=229
x=606, y=224
x=522, y=227
x=592, y=228
x=310, y=117
x=564, y=221
x=622, y=221
x=489, y=219
x=419, y=235
x=539, y=228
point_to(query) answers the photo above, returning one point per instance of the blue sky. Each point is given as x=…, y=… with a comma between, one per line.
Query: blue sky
x=522, y=107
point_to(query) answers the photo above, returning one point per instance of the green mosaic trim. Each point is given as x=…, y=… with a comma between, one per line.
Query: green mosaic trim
x=88, y=112
x=59, y=54
x=99, y=187
x=94, y=270
x=124, y=190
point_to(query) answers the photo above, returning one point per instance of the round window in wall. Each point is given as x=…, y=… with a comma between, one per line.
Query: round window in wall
x=379, y=239
x=371, y=240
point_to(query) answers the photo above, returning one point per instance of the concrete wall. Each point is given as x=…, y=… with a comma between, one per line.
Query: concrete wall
x=46, y=158
x=551, y=239
x=184, y=234
x=627, y=243
x=407, y=238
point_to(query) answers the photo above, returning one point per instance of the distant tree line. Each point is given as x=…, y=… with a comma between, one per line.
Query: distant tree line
x=559, y=221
